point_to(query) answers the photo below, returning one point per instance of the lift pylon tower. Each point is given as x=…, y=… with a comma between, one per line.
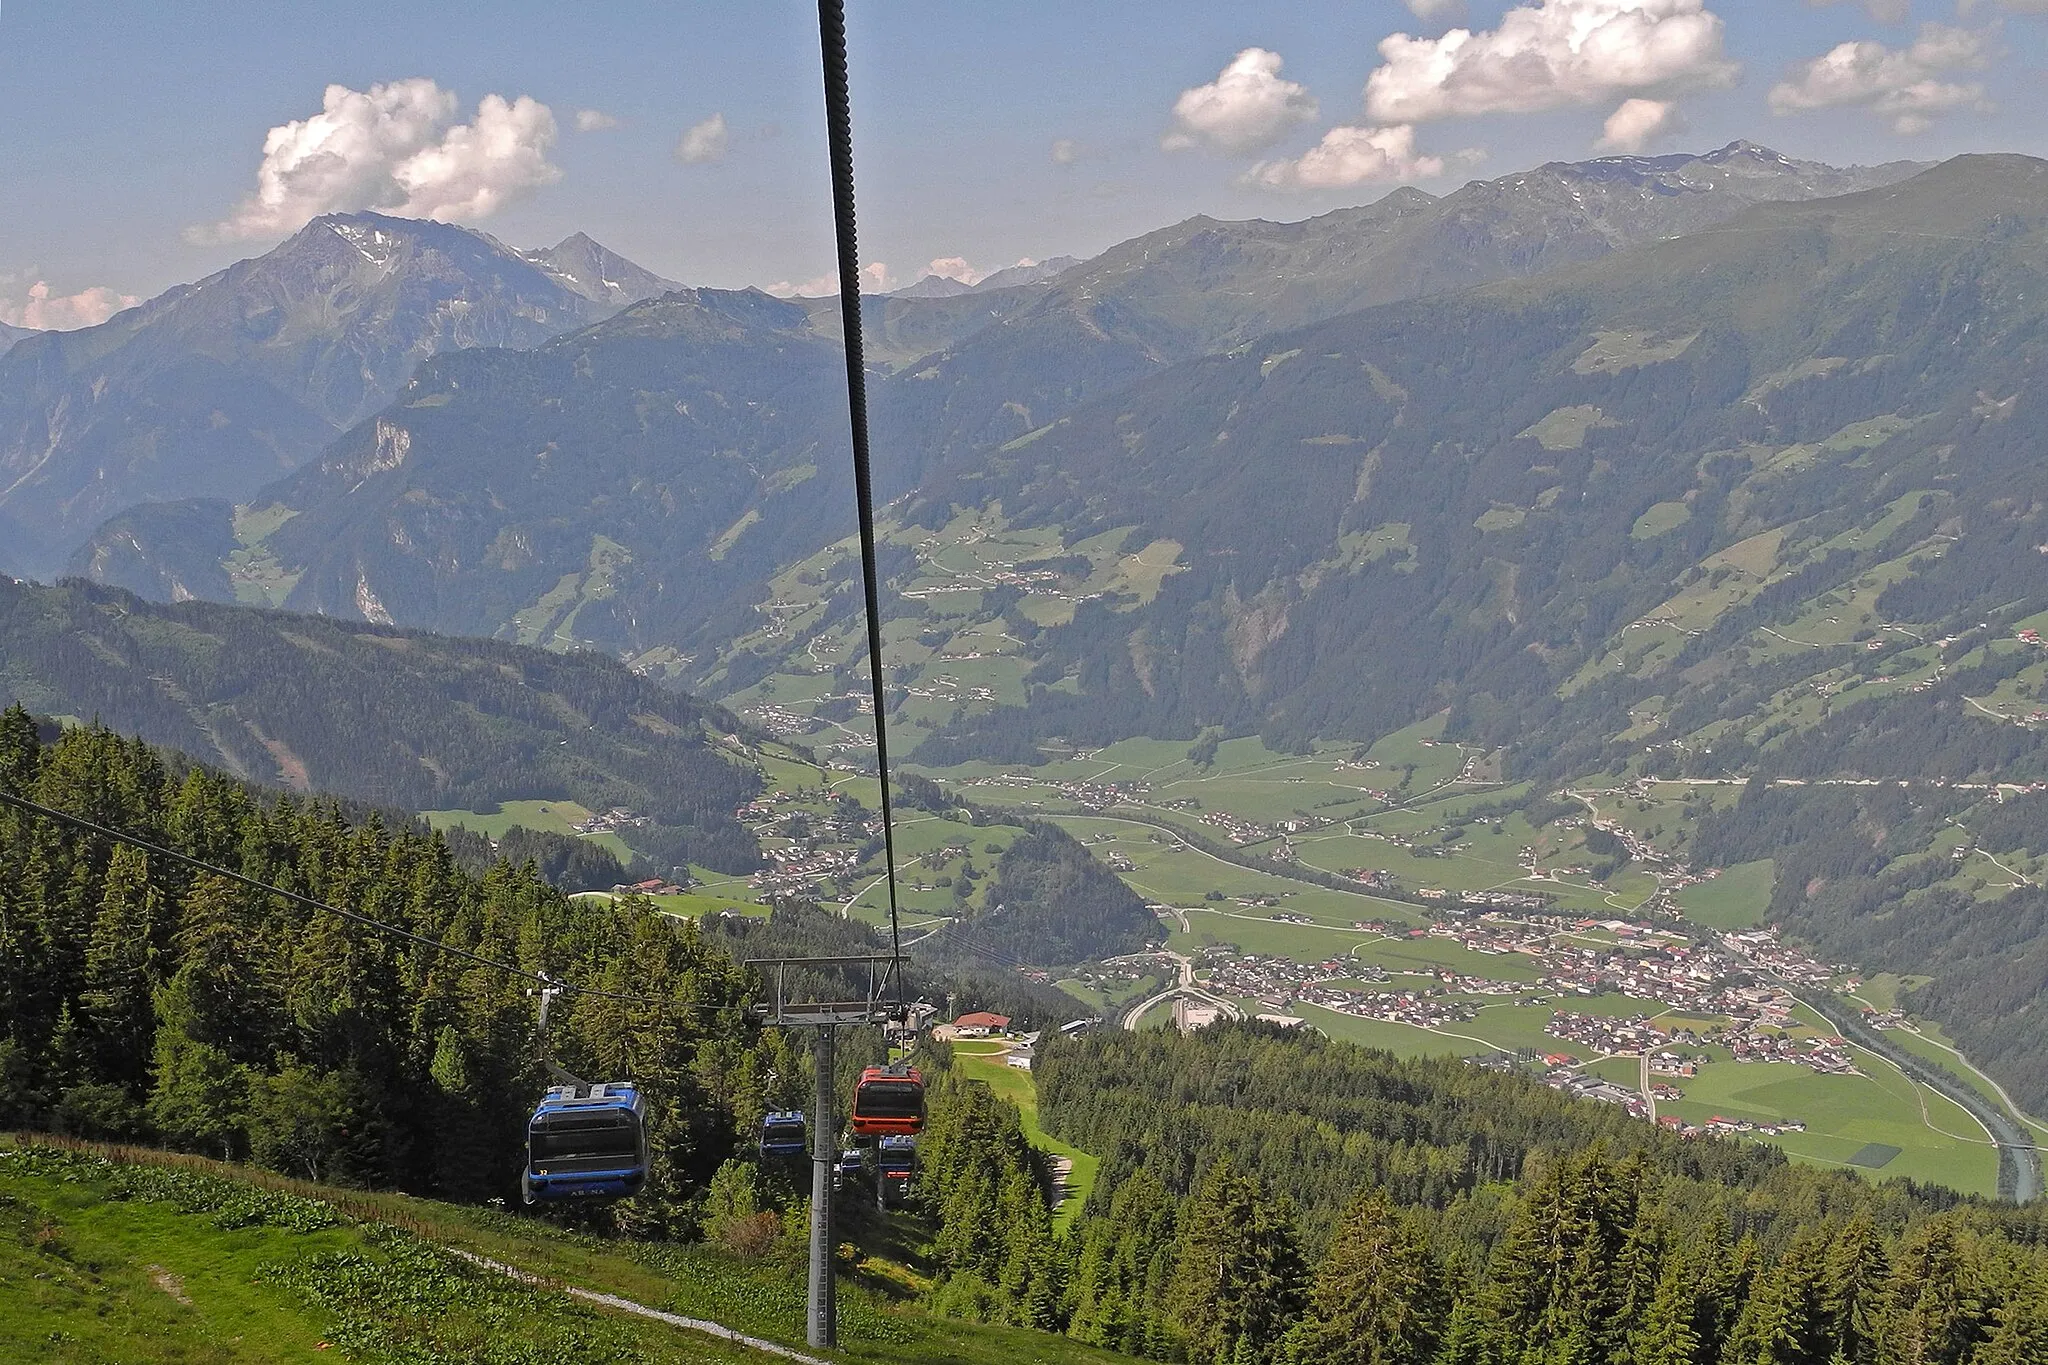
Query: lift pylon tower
x=876, y=1006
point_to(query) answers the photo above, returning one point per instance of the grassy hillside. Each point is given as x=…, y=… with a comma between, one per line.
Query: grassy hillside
x=116, y=1254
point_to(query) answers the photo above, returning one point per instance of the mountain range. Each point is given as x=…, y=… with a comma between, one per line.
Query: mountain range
x=217, y=387
x=945, y=287
x=1591, y=486
x=1204, y=286
x=416, y=515
x=10, y=334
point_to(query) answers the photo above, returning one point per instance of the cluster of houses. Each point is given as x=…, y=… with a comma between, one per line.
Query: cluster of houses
x=1034, y=582
x=780, y=721
x=1829, y=1056
x=1725, y=1126
x=949, y=689
x=1119, y=974
x=1520, y=901
x=1090, y=796
x=612, y=821
x=1604, y=1034
x=1585, y=1087
x=796, y=870
x=653, y=886
x=1431, y=1008
x=1236, y=828
x=1762, y=949
x=1278, y=981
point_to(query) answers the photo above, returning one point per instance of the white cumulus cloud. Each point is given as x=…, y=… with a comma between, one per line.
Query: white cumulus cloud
x=594, y=121
x=955, y=268
x=1247, y=108
x=875, y=278
x=704, y=142
x=1639, y=123
x=1553, y=54
x=396, y=148
x=1350, y=156
x=1905, y=85
x=1065, y=151
x=45, y=311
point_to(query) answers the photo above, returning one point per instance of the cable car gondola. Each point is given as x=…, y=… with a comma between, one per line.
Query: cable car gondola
x=895, y=1167
x=783, y=1133
x=586, y=1142
x=888, y=1100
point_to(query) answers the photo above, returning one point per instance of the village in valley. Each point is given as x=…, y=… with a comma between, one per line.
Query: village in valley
x=1401, y=896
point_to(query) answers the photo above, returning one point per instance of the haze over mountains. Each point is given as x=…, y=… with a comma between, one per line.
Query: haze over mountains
x=417, y=515
x=216, y=387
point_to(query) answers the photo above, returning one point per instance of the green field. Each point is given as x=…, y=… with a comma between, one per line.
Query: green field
x=1881, y=990
x=1018, y=1087
x=691, y=904
x=1734, y=900
x=547, y=817
x=1403, y=1040
x=1843, y=1114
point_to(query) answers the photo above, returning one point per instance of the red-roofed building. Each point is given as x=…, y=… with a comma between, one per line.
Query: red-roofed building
x=980, y=1024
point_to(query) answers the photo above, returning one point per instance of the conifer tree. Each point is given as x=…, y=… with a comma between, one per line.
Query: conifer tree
x=1125, y=1260
x=1784, y=1320
x=1851, y=1284
x=1379, y=1296
x=2019, y=1327
x=1238, y=1278
x=120, y=970
x=1934, y=1308
x=1665, y=1334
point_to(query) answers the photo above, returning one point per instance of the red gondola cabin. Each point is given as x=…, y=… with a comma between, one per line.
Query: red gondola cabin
x=889, y=1100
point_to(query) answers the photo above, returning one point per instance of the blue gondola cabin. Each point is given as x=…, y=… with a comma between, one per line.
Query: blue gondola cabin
x=782, y=1134
x=895, y=1168
x=586, y=1143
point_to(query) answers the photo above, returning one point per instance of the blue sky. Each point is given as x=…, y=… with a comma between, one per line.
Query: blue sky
x=131, y=134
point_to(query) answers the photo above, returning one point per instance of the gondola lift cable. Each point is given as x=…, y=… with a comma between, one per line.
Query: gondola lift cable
x=839, y=136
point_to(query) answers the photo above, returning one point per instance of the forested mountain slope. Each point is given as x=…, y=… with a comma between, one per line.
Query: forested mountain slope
x=704, y=502
x=616, y=486
x=144, y=998
x=1582, y=491
x=1204, y=286
x=1870, y=874
x=394, y=717
x=217, y=387
x=1266, y=1196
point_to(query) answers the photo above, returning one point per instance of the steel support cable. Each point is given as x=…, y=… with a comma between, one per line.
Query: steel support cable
x=839, y=134
x=540, y=979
